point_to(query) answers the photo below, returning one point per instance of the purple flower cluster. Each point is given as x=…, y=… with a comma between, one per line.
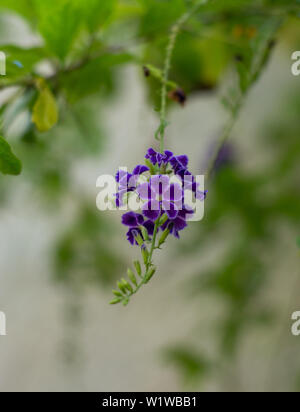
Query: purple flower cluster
x=163, y=202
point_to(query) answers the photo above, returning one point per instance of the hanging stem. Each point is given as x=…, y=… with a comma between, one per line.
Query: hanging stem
x=225, y=136
x=238, y=105
x=167, y=65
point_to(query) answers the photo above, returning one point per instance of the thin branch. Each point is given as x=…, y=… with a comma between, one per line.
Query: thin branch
x=238, y=105
x=167, y=65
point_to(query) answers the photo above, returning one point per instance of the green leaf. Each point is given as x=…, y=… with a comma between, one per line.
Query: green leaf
x=160, y=15
x=21, y=7
x=9, y=163
x=20, y=61
x=45, y=112
x=97, y=12
x=192, y=365
x=59, y=23
x=94, y=76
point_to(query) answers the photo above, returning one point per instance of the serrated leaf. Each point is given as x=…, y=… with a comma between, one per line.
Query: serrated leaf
x=9, y=163
x=45, y=112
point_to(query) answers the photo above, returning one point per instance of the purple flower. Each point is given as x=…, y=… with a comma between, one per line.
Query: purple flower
x=190, y=183
x=139, y=169
x=179, y=223
x=132, y=219
x=135, y=223
x=158, y=158
x=149, y=225
x=179, y=164
x=127, y=182
x=161, y=196
x=132, y=233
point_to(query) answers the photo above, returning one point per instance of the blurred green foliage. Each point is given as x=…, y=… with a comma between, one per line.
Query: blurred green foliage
x=73, y=67
x=255, y=206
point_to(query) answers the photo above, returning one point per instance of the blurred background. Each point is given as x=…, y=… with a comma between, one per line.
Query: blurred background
x=75, y=103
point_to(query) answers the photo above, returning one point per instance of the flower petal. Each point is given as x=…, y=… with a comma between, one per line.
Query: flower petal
x=170, y=209
x=159, y=184
x=179, y=223
x=145, y=192
x=151, y=210
x=131, y=219
x=167, y=156
x=131, y=234
x=201, y=195
x=183, y=160
x=124, y=179
x=174, y=193
x=139, y=169
x=149, y=225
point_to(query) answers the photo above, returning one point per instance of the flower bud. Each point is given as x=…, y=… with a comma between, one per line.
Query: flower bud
x=163, y=219
x=132, y=276
x=117, y=293
x=149, y=274
x=145, y=255
x=138, y=268
x=164, y=236
x=127, y=285
x=138, y=238
x=114, y=301
x=151, y=167
x=121, y=287
x=144, y=233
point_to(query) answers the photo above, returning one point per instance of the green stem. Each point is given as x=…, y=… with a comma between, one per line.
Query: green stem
x=167, y=65
x=224, y=137
x=153, y=241
x=254, y=74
